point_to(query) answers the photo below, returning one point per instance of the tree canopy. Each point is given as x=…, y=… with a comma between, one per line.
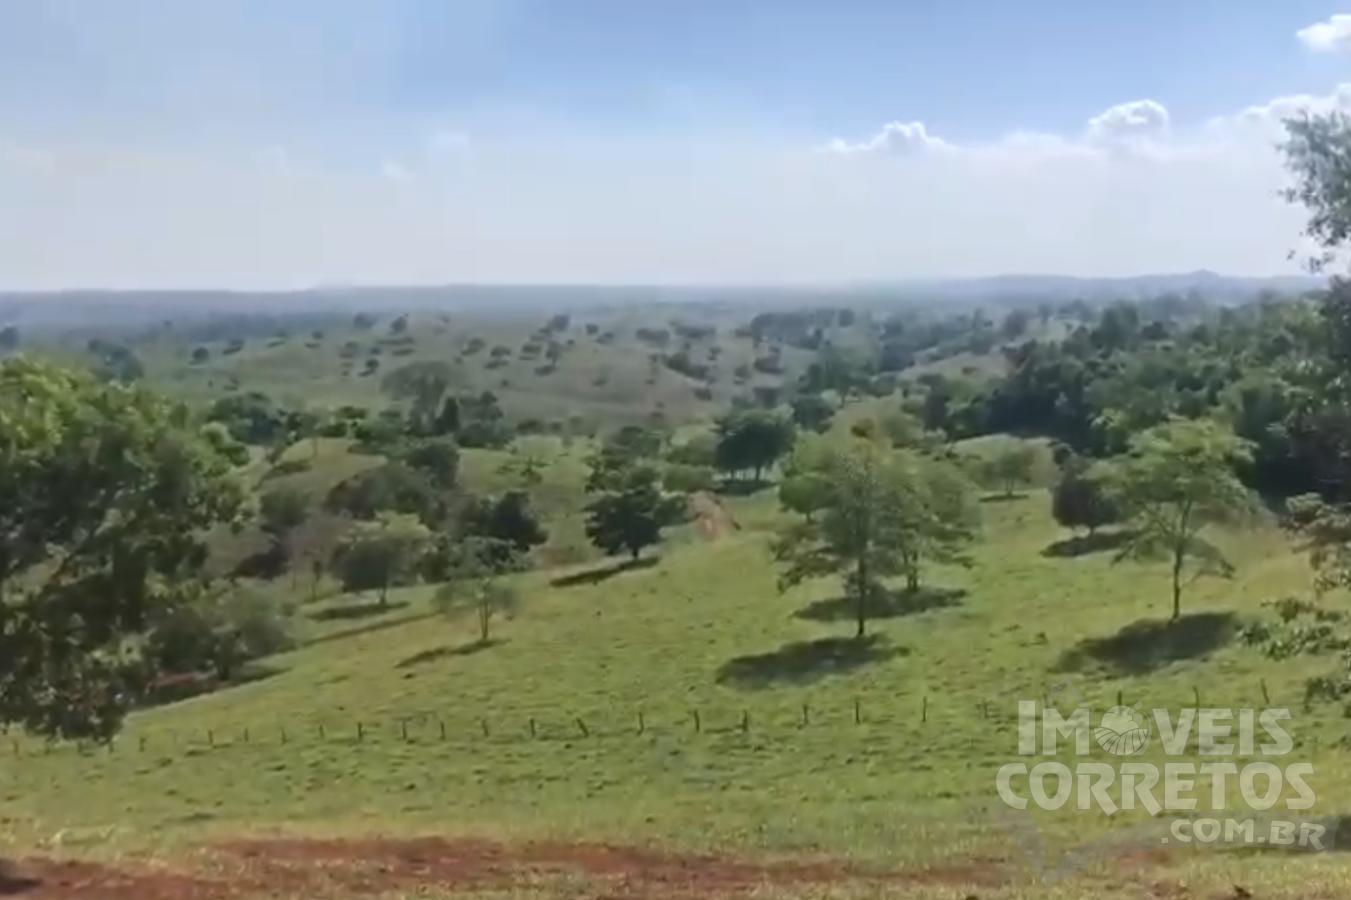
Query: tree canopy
x=104, y=492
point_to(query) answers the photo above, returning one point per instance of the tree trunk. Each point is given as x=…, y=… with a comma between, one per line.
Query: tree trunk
x=633, y=553
x=862, y=600
x=1177, y=584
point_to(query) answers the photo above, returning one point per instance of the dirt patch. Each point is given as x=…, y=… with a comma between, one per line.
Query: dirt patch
x=365, y=867
x=49, y=879
x=711, y=518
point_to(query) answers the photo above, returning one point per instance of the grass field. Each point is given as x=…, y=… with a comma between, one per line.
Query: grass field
x=884, y=753
x=604, y=373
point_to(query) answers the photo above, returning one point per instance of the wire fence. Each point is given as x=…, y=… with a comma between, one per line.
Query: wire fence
x=918, y=716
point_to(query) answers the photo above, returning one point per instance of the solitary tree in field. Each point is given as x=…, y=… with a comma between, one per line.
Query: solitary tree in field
x=376, y=555
x=1177, y=481
x=475, y=585
x=280, y=512
x=423, y=384
x=860, y=532
x=941, y=513
x=753, y=440
x=629, y=510
x=1012, y=465
x=1082, y=499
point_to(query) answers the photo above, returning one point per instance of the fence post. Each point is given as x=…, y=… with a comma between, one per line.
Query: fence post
x=403, y=729
x=642, y=726
x=697, y=725
x=582, y=725
x=484, y=724
x=858, y=712
x=321, y=731
x=924, y=709
x=211, y=737
x=1266, y=698
x=1196, y=696
x=532, y=726
x=745, y=721
x=442, y=725
x=806, y=716
x=1118, y=697
x=361, y=732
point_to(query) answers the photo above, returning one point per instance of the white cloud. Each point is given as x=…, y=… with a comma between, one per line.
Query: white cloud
x=1329, y=36
x=1128, y=124
x=895, y=139
x=1264, y=121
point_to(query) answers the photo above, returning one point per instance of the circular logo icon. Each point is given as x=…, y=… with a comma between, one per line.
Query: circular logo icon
x=1123, y=731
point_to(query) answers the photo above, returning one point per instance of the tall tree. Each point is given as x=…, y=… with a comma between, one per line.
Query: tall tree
x=280, y=512
x=1081, y=498
x=423, y=384
x=1177, y=481
x=753, y=440
x=861, y=531
x=1012, y=465
x=475, y=585
x=104, y=493
x=376, y=555
x=628, y=509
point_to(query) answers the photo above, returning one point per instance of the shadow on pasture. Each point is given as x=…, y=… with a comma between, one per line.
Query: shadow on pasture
x=369, y=627
x=891, y=605
x=446, y=652
x=13, y=884
x=742, y=487
x=1004, y=498
x=1151, y=644
x=806, y=661
x=355, y=611
x=601, y=573
x=1082, y=545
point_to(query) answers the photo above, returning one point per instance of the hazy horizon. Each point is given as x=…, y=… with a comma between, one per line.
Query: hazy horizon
x=249, y=146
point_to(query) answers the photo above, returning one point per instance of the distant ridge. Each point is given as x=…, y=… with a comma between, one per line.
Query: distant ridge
x=93, y=306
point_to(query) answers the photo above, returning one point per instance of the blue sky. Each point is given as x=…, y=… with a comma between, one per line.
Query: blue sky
x=281, y=144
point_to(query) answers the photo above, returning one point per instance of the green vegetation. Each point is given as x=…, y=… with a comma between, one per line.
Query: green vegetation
x=827, y=654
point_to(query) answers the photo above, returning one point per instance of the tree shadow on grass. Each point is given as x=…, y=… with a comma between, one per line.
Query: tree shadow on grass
x=1150, y=644
x=806, y=661
x=1082, y=545
x=601, y=573
x=742, y=487
x=1004, y=498
x=13, y=884
x=892, y=604
x=447, y=652
x=356, y=611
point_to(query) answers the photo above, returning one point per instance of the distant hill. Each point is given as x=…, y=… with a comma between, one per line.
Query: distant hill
x=94, y=308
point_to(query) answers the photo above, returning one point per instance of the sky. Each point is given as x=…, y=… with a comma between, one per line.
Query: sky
x=295, y=143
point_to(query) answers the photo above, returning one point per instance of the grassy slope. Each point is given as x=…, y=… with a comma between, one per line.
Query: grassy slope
x=602, y=383
x=654, y=640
